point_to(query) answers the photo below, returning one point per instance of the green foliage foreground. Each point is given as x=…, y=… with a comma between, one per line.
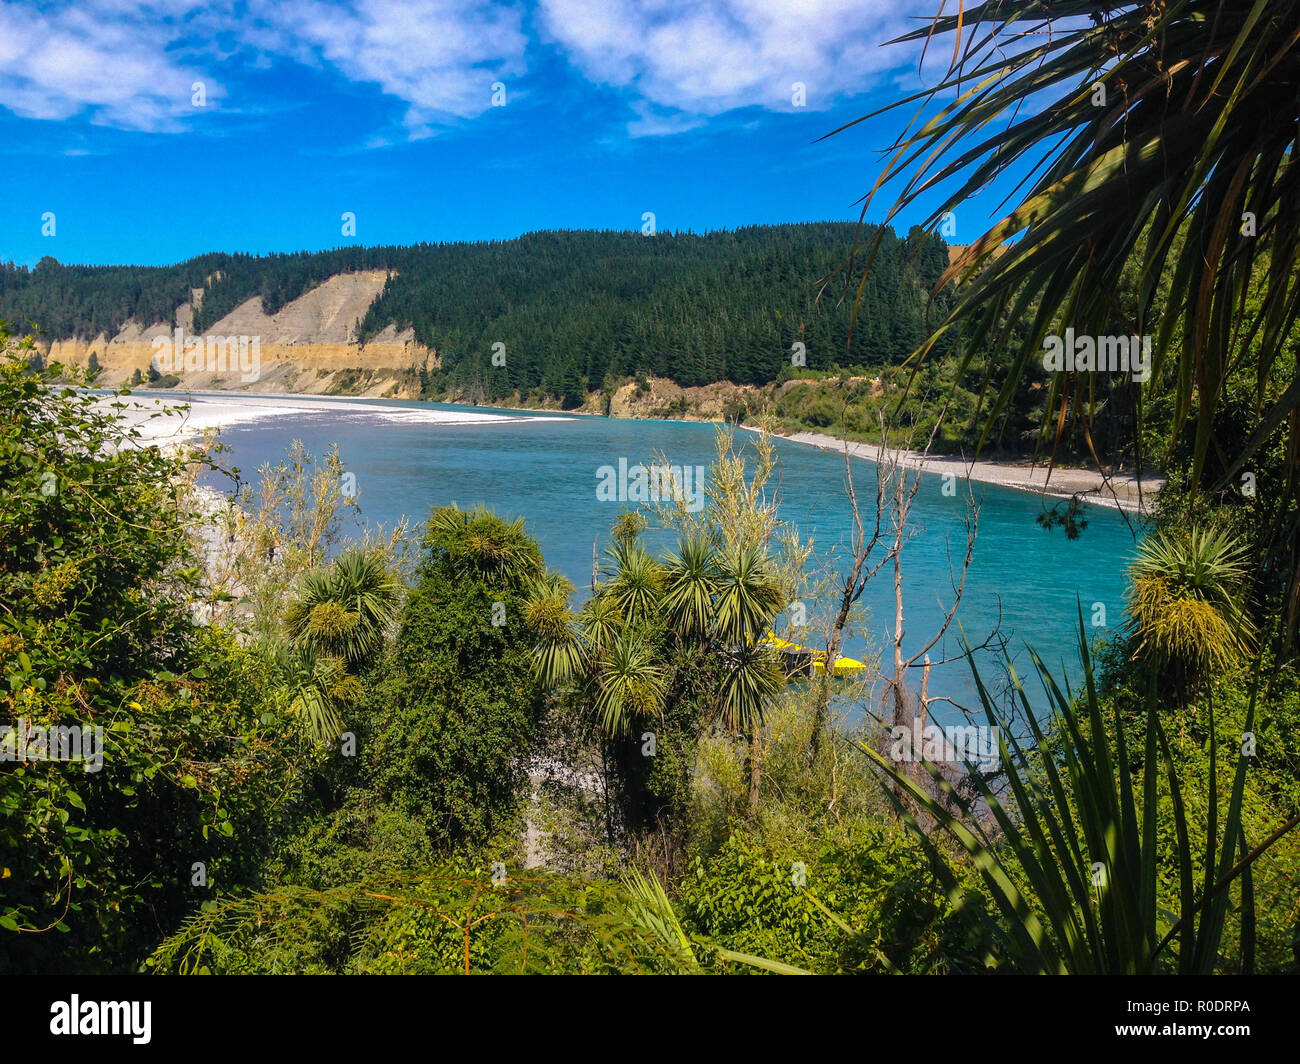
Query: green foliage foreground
x=1073, y=863
x=96, y=580
x=219, y=835
x=450, y=920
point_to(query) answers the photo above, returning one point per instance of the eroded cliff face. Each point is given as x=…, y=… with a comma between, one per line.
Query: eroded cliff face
x=306, y=346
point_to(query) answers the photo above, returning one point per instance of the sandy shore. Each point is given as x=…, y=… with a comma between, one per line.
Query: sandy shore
x=171, y=419
x=1123, y=491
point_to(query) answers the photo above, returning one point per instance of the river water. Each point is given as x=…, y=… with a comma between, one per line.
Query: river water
x=547, y=469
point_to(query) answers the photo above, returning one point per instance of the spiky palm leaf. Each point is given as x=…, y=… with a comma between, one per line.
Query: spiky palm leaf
x=690, y=583
x=1185, y=598
x=652, y=911
x=365, y=586
x=480, y=545
x=347, y=609
x=1082, y=837
x=630, y=683
x=636, y=581
x=557, y=651
x=1195, y=139
x=752, y=679
x=601, y=621
x=314, y=687
x=749, y=593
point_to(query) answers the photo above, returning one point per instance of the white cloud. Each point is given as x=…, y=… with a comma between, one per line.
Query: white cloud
x=92, y=58
x=439, y=56
x=132, y=65
x=652, y=123
x=702, y=59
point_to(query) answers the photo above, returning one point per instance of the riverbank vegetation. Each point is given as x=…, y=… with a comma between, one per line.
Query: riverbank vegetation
x=425, y=751
x=429, y=753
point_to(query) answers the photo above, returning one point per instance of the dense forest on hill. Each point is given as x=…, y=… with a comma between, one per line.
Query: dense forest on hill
x=573, y=308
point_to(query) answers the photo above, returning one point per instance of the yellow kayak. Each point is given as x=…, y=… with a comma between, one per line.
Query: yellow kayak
x=810, y=660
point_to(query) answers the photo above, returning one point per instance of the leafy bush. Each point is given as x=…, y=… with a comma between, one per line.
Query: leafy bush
x=450, y=717
x=97, y=578
x=764, y=900
x=454, y=918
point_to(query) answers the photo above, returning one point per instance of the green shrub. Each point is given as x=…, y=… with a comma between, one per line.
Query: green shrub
x=759, y=899
x=97, y=576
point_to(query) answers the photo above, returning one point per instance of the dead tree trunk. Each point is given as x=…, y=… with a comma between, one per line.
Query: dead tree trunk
x=898, y=480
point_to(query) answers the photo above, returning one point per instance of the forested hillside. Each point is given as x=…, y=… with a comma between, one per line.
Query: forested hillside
x=573, y=308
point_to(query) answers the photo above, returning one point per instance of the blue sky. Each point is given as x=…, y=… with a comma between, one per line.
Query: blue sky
x=385, y=108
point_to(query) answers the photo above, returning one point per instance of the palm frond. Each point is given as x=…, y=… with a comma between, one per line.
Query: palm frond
x=557, y=651
x=630, y=684
x=636, y=581
x=749, y=593
x=1186, y=598
x=753, y=677
x=690, y=583
x=1159, y=138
